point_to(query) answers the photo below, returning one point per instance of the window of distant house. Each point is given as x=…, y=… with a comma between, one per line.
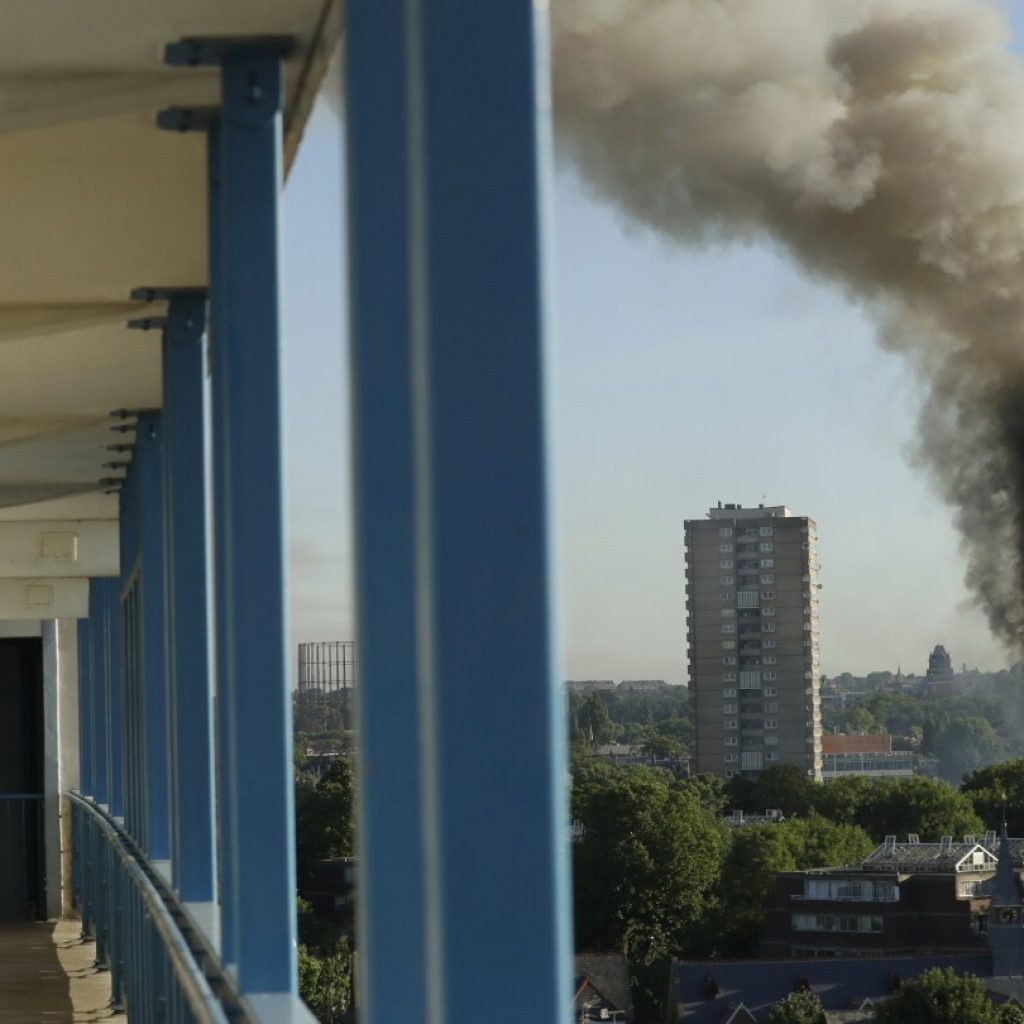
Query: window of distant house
x=728, y=645
x=768, y=546
x=725, y=547
x=728, y=613
x=724, y=531
x=725, y=580
x=728, y=627
x=766, y=531
x=767, y=580
x=767, y=563
x=725, y=563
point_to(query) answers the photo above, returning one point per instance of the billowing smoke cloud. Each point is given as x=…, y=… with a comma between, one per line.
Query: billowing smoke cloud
x=881, y=142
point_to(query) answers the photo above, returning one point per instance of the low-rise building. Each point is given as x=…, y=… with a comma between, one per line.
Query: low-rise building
x=868, y=754
x=925, y=897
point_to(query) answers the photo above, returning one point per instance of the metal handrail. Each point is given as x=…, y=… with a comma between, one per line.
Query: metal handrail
x=163, y=908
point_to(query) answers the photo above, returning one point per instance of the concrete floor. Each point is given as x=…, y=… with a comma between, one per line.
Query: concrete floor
x=47, y=976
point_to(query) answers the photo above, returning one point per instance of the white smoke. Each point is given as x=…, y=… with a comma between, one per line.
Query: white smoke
x=882, y=143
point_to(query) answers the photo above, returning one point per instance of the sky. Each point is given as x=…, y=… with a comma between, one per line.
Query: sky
x=681, y=377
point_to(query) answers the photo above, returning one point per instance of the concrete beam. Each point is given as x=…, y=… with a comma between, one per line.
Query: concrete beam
x=28, y=320
x=67, y=549
x=43, y=598
x=45, y=99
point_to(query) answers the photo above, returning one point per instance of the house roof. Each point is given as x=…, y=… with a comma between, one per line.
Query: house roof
x=608, y=973
x=840, y=984
x=943, y=856
x=858, y=743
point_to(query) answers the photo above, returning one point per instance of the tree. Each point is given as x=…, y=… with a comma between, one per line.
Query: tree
x=798, y=1008
x=595, y=724
x=816, y=842
x=965, y=745
x=882, y=807
x=784, y=786
x=939, y=996
x=324, y=818
x=325, y=982
x=646, y=864
x=998, y=791
x=758, y=853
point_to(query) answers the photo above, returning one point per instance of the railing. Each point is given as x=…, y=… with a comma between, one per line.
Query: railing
x=21, y=850
x=162, y=967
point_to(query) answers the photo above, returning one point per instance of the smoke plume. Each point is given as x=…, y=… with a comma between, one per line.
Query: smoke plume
x=881, y=142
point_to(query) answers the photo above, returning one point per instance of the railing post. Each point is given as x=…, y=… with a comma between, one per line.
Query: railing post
x=391, y=870
x=85, y=735
x=153, y=626
x=98, y=693
x=478, y=161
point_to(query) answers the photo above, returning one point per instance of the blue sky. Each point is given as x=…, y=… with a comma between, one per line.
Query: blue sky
x=681, y=377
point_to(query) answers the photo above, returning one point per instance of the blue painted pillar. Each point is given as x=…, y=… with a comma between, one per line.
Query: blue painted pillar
x=252, y=630
x=134, y=779
x=85, y=732
x=256, y=632
x=494, y=796
x=193, y=839
x=153, y=625
x=98, y=692
x=113, y=662
x=219, y=392
x=391, y=871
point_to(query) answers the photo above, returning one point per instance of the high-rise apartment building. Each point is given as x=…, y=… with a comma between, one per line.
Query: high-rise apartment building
x=752, y=634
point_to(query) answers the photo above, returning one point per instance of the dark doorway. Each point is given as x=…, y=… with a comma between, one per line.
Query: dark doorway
x=21, y=780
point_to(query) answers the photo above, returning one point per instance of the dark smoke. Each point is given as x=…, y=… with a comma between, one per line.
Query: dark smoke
x=881, y=142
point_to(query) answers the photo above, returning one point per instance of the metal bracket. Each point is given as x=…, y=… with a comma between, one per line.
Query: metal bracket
x=147, y=323
x=198, y=52
x=187, y=119
x=185, y=322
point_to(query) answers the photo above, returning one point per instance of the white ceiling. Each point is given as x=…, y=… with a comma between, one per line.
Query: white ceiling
x=95, y=201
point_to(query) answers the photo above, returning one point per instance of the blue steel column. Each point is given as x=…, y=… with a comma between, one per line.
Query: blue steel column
x=153, y=625
x=219, y=401
x=194, y=852
x=252, y=627
x=98, y=692
x=113, y=660
x=256, y=631
x=479, y=154
x=391, y=878
x=133, y=709
x=85, y=733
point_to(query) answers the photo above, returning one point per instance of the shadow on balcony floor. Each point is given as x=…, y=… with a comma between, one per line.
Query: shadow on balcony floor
x=47, y=975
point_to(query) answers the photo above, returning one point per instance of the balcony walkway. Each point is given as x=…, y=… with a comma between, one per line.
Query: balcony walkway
x=47, y=976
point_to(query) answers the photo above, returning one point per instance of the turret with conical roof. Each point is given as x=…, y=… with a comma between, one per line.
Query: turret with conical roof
x=1005, y=930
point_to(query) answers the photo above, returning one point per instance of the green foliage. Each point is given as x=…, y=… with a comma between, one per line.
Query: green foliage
x=1010, y=1013
x=711, y=792
x=325, y=982
x=784, y=786
x=882, y=807
x=594, y=723
x=646, y=864
x=996, y=791
x=759, y=852
x=940, y=997
x=324, y=816
x=964, y=745
x=798, y=1008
